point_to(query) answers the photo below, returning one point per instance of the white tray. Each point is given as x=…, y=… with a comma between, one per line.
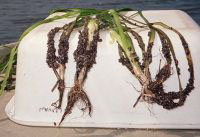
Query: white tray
x=108, y=85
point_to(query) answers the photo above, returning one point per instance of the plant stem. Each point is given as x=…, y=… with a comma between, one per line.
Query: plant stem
x=128, y=47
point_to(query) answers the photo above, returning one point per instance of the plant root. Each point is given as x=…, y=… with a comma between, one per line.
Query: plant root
x=58, y=62
x=75, y=95
x=85, y=58
x=152, y=91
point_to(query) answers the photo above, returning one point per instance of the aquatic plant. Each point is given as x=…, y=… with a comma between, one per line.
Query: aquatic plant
x=59, y=62
x=122, y=28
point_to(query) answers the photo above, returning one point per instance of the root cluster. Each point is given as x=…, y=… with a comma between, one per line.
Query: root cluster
x=152, y=89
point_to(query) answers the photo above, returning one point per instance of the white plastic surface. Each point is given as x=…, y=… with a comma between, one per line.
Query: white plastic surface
x=109, y=84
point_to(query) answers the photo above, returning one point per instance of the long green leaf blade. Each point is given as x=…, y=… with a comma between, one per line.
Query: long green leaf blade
x=69, y=14
x=128, y=47
x=8, y=70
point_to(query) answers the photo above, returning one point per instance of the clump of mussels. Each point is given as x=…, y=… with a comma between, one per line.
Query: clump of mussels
x=59, y=62
x=85, y=57
x=122, y=27
x=152, y=90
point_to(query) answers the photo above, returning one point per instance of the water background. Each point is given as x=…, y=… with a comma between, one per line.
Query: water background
x=17, y=15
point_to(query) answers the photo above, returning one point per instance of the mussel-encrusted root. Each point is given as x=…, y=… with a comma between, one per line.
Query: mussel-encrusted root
x=75, y=95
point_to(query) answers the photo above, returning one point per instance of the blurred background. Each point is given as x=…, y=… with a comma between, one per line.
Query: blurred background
x=17, y=15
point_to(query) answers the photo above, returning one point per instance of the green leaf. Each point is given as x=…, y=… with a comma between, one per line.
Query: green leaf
x=89, y=12
x=128, y=47
x=69, y=14
x=3, y=66
x=120, y=30
x=8, y=69
x=152, y=36
x=145, y=19
x=59, y=10
x=124, y=9
x=106, y=19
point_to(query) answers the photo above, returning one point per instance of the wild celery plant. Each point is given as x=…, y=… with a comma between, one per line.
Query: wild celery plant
x=85, y=58
x=167, y=100
x=91, y=22
x=128, y=48
x=152, y=90
x=68, y=13
x=59, y=62
x=183, y=93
